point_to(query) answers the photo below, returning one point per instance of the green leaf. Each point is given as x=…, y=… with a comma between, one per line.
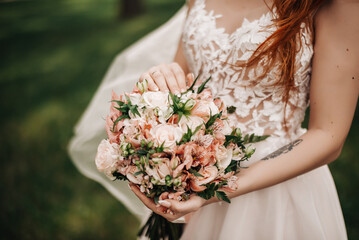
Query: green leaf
x=201, y=88
x=123, y=116
x=232, y=167
x=212, y=119
x=119, y=176
x=128, y=99
x=138, y=173
x=134, y=110
x=141, y=152
x=231, y=109
x=193, y=84
x=194, y=172
x=222, y=196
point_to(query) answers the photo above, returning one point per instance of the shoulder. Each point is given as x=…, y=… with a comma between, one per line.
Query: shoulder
x=190, y=3
x=337, y=26
x=338, y=16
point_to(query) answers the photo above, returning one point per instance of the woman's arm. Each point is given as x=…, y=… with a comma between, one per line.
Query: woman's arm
x=333, y=95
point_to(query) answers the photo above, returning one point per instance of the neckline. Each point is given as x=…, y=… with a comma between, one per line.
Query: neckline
x=245, y=21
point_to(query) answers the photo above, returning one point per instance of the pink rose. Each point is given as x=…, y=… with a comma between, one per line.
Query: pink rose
x=167, y=134
x=204, y=109
x=106, y=158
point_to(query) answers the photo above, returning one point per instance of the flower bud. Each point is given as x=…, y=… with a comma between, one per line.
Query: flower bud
x=124, y=146
x=150, y=144
x=143, y=160
x=250, y=151
x=189, y=105
x=143, y=143
x=177, y=181
x=142, y=86
x=168, y=180
x=131, y=151
x=238, y=132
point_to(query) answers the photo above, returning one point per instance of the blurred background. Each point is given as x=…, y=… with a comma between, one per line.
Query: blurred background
x=53, y=55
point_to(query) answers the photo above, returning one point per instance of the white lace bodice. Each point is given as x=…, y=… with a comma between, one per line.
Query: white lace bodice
x=210, y=51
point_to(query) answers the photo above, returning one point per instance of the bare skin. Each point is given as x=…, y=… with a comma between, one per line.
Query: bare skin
x=333, y=95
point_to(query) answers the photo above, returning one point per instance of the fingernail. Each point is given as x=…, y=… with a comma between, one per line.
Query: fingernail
x=183, y=90
x=167, y=91
x=192, y=75
x=164, y=203
x=176, y=92
x=156, y=89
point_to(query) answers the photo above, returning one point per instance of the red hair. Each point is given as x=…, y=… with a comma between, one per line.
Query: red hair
x=283, y=43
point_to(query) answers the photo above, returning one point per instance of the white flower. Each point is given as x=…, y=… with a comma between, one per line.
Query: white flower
x=191, y=122
x=135, y=98
x=163, y=113
x=224, y=157
x=155, y=99
x=142, y=86
x=167, y=134
x=106, y=158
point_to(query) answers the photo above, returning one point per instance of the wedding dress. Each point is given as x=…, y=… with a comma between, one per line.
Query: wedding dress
x=305, y=207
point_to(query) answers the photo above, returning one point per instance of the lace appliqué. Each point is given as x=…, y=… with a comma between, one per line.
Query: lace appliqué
x=210, y=51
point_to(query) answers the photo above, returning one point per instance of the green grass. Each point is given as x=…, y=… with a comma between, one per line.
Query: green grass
x=53, y=55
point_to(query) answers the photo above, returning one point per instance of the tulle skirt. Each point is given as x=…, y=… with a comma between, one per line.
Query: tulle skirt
x=305, y=207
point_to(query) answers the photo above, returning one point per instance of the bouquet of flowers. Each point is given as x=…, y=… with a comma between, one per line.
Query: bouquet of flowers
x=172, y=146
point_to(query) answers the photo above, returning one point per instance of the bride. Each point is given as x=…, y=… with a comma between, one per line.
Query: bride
x=268, y=59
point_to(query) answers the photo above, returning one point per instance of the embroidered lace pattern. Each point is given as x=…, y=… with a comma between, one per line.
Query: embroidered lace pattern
x=210, y=51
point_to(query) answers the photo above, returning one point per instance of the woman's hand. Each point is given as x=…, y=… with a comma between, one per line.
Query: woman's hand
x=169, y=208
x=167, y=77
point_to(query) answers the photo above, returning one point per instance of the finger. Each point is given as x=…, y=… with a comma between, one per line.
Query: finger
x=179, y=75
x=170, y=80
x=151, y=83
x=184, y=206
x=159, y=79
x=147, y=201
x=190, y=78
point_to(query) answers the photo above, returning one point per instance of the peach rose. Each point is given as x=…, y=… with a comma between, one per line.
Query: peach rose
x=167, y=134
x=106, y=158
x=204, y=109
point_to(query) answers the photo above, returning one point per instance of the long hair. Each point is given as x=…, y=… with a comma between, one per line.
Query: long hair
x=283, y=43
